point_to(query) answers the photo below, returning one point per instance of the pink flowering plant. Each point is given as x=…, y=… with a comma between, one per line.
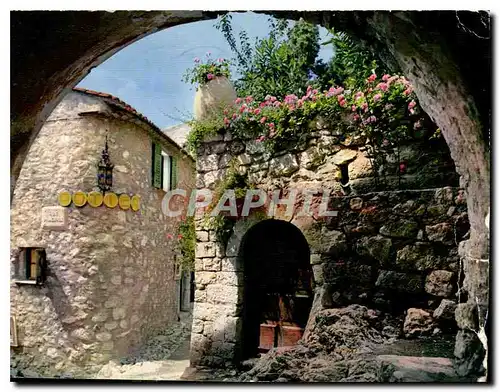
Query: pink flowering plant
x=384, y=114
x=385, y=111
x=203, y=72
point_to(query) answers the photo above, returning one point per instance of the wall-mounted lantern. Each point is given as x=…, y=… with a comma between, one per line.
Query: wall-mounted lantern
x=105, y=170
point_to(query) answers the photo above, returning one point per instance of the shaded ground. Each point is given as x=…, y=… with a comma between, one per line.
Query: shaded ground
x=164, y=357
x=441, y=346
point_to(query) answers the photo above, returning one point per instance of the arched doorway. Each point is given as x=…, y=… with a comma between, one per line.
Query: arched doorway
x=278, y=286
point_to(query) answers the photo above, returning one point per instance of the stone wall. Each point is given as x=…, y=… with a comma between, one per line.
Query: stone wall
x=110, y=282
x=393, y=249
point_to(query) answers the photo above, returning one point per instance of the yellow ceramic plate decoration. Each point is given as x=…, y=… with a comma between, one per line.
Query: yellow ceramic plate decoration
x=95, y=199
x=135, y=202
x=110, y=200
x=124, y=201
x=64, y=199
x=79, y=199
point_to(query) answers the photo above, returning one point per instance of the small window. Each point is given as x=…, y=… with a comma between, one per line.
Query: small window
x=344, y=174
x=167, y=171
x=164, y=169
x=31, y=266
x=177, y=268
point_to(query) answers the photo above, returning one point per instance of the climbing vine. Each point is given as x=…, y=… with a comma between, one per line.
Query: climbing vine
x=384, y=114
x=235, y=181
x=187, y=243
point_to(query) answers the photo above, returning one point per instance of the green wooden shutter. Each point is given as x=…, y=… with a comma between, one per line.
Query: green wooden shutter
x=173, y=171
x=157, y=166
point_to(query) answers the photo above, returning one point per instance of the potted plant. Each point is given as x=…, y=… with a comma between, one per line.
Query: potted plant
x=214, y=89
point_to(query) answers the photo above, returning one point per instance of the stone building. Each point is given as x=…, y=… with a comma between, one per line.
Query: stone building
x=92, y=279
x=391, y=246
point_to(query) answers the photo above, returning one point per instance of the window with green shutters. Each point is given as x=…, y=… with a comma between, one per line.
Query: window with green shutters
x=157, y=166
x=164, y=169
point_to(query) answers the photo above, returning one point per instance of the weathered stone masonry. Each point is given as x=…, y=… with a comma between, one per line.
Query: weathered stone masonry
x=389, y=249
x=110, y=282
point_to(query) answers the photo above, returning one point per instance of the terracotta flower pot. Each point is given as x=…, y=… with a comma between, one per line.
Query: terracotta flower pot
x=212, y=97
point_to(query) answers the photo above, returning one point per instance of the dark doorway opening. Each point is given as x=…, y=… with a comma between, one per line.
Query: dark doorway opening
x=278, y=288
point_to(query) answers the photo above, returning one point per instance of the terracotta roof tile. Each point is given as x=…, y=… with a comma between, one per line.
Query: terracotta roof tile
x=129, y=109
x=117, y=100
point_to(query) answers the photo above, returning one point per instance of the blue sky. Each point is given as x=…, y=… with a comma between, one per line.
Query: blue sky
x=148, y=73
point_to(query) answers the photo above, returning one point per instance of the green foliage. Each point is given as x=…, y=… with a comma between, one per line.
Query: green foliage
x=239, y=183
x=351, y=64
x=285, y=62
x=202, y=73
x=276, y=65
x=187, y=243
x=201, y=129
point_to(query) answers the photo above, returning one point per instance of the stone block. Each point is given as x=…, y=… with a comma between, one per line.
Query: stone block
x=204, y=277
x=332, y=242
x=318, y=274
x=231, y=264
x=200, y=295
x=206, y=163
x=418, y=322
x=315, y=258
x=440, y=283
x=119, y=313
x=203, y=311
x=402, y=228
x=111, y=325
x=197, y=326
x=361, y=167
x=205, y=249
x=233, y=329
x=466, y=316
x=419, y=257
x=236, y=148
x=410, y=283
x=230, y=278
x=311, y=158
x=220, y=294
x=441, y=232
x=244, y=159
x=344, y=156
x=445, y=310
x=212, y=264
x=220, y=250
x=356, y=203
x=469, y=353
x=284, y=165
x=200, y=344
x=201, y=236
x=103, y=336
x=377, y=247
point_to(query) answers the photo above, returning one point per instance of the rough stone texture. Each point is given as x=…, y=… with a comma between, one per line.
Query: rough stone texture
x=401, y=228
x=410, y=283
x=377, y=247
x=441, y=232
x=466, y=315
x=420, y=257
x=89, y=299
x=469, y=354
x=418, y=322
x=439, y=283
x=445, y=310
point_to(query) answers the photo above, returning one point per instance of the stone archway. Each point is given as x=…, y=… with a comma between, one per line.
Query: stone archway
x=53, y=51
x=278, y=287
